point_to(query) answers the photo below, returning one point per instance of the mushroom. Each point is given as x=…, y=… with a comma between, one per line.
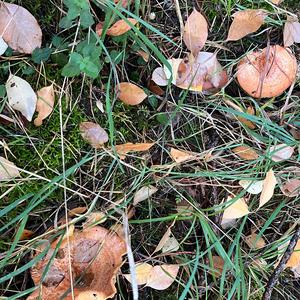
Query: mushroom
x=96, y=257
x=267, y=73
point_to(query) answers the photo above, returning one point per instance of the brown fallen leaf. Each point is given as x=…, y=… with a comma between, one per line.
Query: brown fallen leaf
x=26, y=234
x=250, y=111
x=180, y=156
x=268, y=72
x=245, y=22
x=294, y=261
x=77, y=211
x=281, y=152
x=195, y=32
x=94, y=218
x=291, y=32
x=276, y=1
x=8, y=170
x=119, y=28
x=217, y=266
x=142, y=272
x=144, y=55
x=267, y=192
x=162, y=276
x=94, y=134
x=253, y=242
x=130, y=93
x=123, y=149
x=96, y=256
x=144, y=193
x=45, y=104
x=19, y=29
x=291, y=188
x=154, y=88
x=245, y=152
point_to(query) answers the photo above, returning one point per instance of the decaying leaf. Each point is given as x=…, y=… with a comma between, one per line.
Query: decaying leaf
x=154, y=88
x=26, y=234
x=245, y=152
x=246, y=122
x=144, y=193
x=130, y=93
x=269, y=184
x=245, y=22
x=195, y=32
x=94, y=218
x=45, y=104
x=291, y=188
x=77, y=211
x=291, y=33
x=8, y=170
x=144, y=55
x=281, y=152
x=96, y=257
x=235, y=210
x=94, y=134
x=123, y=149
x=159, y=76
x=21, y=96
x=163, y=240
x=217, y=266
x=3, y=46
x=19, y=29
x=162, y=276
x=119, y=28
x=170, y=245
x=180, y=156
x=253, y=241
x=251, y=186
x=142, y=272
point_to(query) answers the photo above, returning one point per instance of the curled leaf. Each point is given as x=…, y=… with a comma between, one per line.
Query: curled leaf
x=195, y=32
x=19, y=29
x=144, y=193
x=21, y=96
x=162, y=276
x=245, y=22
x=45, y=104
x=8, y=170
x=130, y=93
x=93, y=133
x=281, y=152
x=269, y=184
x=245, y=152
x=123, y=149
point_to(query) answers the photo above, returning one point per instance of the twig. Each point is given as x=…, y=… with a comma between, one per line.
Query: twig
x=286, y=256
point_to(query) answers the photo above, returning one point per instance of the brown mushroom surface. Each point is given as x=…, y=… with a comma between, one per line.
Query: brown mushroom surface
x=267, y=73
x=96, y=257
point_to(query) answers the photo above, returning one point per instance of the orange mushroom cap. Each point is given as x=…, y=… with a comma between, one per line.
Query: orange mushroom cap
x=267, y=73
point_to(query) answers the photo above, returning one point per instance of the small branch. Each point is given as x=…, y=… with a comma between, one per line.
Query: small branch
x=286, y=256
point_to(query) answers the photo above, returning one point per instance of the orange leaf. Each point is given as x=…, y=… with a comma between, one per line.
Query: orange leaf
x=26, y=234
x=119, y=28
x=123, y=149
x=77, y=211
x=130, y=93
x=246, y=122
x=217, y=266
x=45, y=104
x=245, y=152
x=180, y=156
x=276, y=1
x=93, y=133
x=195, y=32
x=245, y=22
x=267, y=192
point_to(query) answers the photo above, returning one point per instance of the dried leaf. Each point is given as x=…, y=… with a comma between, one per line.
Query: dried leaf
x=144, y=193
x=291, y=33
x=185, y=208
x=253, y=242
x=276, y=1
x=294, y=261
x=96, y=258
x=8, y=170
x=195, y=32
x=159, y=77
x=19, y=29
x=45, y=104
x=170, y=245
x=246, y=122
x=162, y=276
x=123, y=149
x=155, y=89
x=251, y=186
x=144, y=55
x=269, y=184
x=119, y=28
x=217, y=265
x=163, y=240
x=77, y=211
x=235, y=210
x=245, y=152
x=180, y=156
x=130, y=93
x=281, y=152
x=291, y=188
x=3, y=46
x=142, y=272
x=245, y=22
x=21, y=96
x=94, y=218
x=94, y=134
x=26, y=234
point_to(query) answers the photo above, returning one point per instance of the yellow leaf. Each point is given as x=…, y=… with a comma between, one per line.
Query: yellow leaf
x=245, y=22
x=45, y=104
x=268, y=188
x=123, y=149
x=245, y=152
x=180, y=156
x=195, y=32
x=142, y=272
x=130, y=93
